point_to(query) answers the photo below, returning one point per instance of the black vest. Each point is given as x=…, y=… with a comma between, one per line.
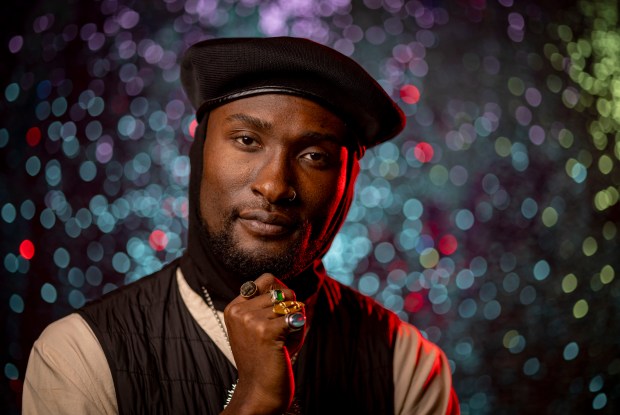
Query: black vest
x=162, y=362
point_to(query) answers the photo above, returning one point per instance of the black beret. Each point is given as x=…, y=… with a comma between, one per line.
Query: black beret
x=217, y=71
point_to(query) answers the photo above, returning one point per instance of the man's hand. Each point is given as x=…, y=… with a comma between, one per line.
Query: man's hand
x=262, y=345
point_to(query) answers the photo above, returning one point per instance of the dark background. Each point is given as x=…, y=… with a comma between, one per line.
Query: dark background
x=490, y=223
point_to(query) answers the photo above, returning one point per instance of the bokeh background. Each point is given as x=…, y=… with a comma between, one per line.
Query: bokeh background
x=491, y=222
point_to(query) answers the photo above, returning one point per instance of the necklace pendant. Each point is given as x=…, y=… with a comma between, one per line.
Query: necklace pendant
x=230, y=393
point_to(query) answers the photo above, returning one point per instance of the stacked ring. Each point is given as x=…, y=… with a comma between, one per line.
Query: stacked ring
x=295, y=321
x=277, y=296
x=248, y=289
x=287, y=307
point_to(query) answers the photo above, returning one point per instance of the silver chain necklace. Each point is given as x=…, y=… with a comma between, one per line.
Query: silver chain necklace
x=217, y=317
x=219, y=321
x=294, y=407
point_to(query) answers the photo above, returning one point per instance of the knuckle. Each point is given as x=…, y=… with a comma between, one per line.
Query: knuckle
x=263, y=331
x=265, y=278
x=247, y=319
x=233, y=310
x=267, y=282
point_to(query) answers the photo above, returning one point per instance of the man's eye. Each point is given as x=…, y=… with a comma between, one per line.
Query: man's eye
x=246, y=141
x=317, y=157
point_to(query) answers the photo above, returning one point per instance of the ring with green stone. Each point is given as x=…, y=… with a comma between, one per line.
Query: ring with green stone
x=277, y=296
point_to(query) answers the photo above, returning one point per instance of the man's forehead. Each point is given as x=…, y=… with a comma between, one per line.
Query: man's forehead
x=307, y=119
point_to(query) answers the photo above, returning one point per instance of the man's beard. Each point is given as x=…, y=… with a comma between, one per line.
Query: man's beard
x=250, y=265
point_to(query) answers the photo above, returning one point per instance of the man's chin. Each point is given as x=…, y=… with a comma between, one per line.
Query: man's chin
x=252, y=260
x=282, y=264
x=249, y=257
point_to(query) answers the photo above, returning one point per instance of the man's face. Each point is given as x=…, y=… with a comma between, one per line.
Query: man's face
x=258, y=153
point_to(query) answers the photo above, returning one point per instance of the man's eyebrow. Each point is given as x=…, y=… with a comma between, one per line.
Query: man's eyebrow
x=254, y=122
x=262, y=125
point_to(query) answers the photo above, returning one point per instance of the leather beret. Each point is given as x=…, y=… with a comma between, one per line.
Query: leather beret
x=217, y=71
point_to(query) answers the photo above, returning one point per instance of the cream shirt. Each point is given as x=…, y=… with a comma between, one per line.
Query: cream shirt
x=68, y=372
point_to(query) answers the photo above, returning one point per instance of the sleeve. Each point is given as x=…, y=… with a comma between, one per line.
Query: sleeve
x=422, y=378
x=68, y=372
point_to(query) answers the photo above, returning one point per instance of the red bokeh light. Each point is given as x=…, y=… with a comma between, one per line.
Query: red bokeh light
x=423, y=152
x=158, y=240
x=414, y=302
x=409, y=94
x=448, y=244
x=33, y=136
x=26, y=249
x=192, y=127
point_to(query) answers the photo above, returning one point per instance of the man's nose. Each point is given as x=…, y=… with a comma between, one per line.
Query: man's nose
x=274, y=180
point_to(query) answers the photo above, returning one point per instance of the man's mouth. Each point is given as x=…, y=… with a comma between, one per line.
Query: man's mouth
x=266, y=224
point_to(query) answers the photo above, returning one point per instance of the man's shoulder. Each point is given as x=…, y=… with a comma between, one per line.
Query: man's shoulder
x=341, y=292
x=65, y=333
x=408, y=336
x=142, y=292
x=67, y=371
x=340, y=296
x=139, y=301
x=65, y=342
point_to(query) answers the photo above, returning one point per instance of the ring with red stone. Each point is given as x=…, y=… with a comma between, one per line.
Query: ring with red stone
x=295, y=321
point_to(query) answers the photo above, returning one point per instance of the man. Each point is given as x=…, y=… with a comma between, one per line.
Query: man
x=247, y=321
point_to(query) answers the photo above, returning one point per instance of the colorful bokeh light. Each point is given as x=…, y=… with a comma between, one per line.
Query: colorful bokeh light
x=26, y=249
x=158, y=240
x=424, y=152
x=409, y=94
x=491, y=222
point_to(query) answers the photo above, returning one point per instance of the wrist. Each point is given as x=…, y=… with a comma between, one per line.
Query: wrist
x=256, y=401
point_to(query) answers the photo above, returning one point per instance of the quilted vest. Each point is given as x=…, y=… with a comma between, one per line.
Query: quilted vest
x=162, y=362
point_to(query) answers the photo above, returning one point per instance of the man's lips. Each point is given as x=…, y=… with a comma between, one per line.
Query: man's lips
x=266, y=224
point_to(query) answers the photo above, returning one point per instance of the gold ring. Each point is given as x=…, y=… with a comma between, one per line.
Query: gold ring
x=287, y=307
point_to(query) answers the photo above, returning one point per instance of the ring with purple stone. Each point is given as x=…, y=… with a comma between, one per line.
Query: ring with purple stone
x=295, y=321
